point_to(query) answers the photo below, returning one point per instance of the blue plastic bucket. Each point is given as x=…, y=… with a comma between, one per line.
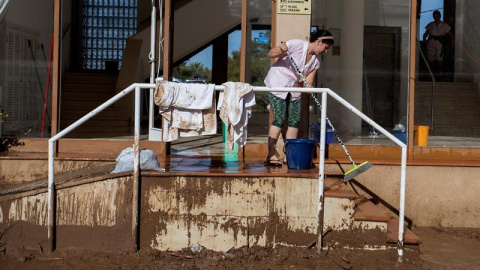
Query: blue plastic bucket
x=299, y=153
x=328, y=135
x=402, y=136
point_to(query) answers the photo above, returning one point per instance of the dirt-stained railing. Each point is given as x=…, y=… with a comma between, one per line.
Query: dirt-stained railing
x=320, y=205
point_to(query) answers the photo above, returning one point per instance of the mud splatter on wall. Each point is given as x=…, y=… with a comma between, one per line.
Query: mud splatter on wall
x=93, y=204
x=220, y=212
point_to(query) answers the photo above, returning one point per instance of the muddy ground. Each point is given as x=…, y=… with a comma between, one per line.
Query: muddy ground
x=442, y=249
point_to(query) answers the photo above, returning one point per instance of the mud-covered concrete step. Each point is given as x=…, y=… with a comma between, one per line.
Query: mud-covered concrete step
x=335, y=187
x=367, y=211
x=408, y=238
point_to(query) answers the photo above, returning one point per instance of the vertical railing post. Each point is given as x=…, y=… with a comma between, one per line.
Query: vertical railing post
x=401, y=214
x=321, y=177
x=136, y=173
x=153, y=58
x=51, y=197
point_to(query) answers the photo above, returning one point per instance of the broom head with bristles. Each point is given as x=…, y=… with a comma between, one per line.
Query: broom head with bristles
x=356, y=170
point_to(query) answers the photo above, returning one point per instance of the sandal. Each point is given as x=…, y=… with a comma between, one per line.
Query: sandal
x=273, y=162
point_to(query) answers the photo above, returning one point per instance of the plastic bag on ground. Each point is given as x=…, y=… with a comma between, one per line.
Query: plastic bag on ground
x=148, y=161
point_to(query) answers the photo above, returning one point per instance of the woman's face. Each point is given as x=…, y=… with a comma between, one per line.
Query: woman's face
x=321, y=47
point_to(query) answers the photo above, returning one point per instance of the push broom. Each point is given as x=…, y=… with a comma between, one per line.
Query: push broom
x=357, y=169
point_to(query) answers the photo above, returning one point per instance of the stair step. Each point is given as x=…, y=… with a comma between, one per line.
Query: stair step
x=87, y=103
x=100, y=132
x=336, y=188
x=77, y=113
x=81, y=90
x=448, y=102
x=99, y=122
x=457, y=131
x=444, y=86
x=408, y=238
x=367, y=211
x=88, y=86
x=448, y=94
x=90, y=77
x=454, y=111
x=457, y=122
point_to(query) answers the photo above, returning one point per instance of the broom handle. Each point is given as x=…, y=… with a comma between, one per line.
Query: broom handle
x=305, y=83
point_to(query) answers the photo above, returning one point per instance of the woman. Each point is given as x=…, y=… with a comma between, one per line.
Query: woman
x=283, y=74
x=437, y=32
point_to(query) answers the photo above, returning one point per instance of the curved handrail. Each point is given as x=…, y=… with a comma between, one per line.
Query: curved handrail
x=138, y=86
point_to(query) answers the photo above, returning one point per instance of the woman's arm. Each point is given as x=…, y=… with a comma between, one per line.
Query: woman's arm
x=311, y=77
x=278, y=51
x=426, y=34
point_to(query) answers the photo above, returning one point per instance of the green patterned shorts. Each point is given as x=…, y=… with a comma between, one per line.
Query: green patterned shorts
x=279, y=108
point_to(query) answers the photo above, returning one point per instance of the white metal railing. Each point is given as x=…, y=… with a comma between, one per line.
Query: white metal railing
x=138, y=86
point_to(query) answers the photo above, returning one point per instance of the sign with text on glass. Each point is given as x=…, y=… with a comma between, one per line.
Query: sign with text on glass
x=294, y=6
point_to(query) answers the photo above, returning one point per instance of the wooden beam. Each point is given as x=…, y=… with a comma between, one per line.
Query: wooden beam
x=243, y=58
x=168, y=40
x=243, y=43
x=167, y=56
x=411, y=78
x=57, y=34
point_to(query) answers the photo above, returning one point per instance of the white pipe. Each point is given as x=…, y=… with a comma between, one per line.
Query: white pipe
x=153, y=31
x=321, y=177
x=3, y=10
x=136, y=171
x=401, y=213
x=51, y=193
x=365, y=118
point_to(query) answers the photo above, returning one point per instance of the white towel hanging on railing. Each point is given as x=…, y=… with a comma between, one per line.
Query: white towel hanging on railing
x=235, y=105
x=187, y=109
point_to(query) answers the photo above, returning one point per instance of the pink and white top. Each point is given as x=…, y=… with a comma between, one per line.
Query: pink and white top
x=438, y=30
x=283, y=74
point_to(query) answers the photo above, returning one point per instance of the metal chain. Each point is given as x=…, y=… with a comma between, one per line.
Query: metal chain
x=305, y=83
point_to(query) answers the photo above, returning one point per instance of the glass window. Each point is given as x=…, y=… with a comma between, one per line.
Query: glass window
x=446, y=92
x=107, y=21
x=367, y=66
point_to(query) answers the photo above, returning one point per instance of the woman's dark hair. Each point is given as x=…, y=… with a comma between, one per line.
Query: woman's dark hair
x=436, y=12
x=322, y=33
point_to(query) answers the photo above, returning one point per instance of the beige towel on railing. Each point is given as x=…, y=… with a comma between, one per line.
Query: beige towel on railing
x=235, y=105
x=187, y=109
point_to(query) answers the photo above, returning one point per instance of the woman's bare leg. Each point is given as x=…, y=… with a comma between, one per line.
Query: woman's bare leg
x=273, y=134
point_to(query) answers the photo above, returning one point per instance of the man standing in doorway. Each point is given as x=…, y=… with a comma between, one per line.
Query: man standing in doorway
x=437, y=33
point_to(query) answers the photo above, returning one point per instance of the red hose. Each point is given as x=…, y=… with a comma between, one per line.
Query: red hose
x=48, y=84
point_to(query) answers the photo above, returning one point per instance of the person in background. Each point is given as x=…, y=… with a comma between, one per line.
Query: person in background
x=437, y=33
x=306, y=55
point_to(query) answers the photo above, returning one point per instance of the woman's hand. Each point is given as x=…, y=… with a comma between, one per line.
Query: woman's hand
x=278, y=51
x=283, y=47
